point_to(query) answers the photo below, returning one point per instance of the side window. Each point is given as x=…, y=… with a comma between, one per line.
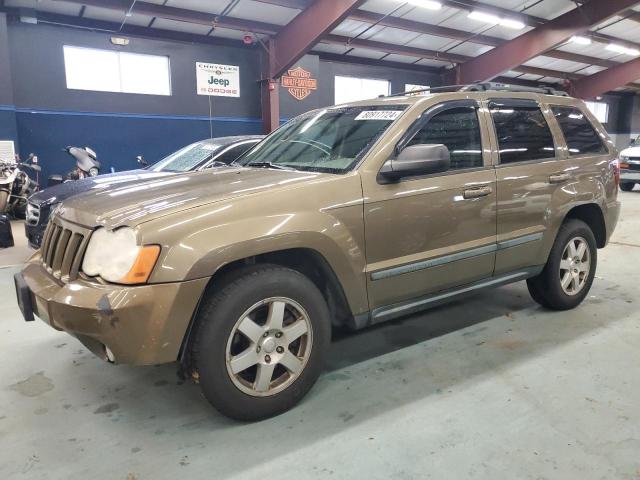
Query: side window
x=233, y=153
x=578, y=132
x=457, y=128
x=522, y=132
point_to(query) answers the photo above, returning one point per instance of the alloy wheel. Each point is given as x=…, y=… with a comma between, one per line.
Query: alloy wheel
x=575, y=266
x=269, y=346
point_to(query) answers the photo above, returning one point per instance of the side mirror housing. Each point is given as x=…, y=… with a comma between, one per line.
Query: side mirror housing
x=142, y=161
x=417, y=160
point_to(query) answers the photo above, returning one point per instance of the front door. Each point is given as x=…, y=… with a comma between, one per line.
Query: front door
x=431, y=233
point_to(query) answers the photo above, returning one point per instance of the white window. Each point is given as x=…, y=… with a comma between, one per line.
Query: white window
x=419, y=89
x=351, y=89
x=600, y=110
x=110, y=71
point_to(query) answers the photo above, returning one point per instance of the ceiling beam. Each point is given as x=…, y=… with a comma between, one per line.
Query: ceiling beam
x=433, y=55
x=182, y=15
x=460, y=35
x=602, y=82
x=537, y=41
x=303, y=32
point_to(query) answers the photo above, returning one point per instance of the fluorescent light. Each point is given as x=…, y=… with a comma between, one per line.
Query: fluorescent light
x=496, y=20
x=484, y=17
x=614, y=47
x=581, y=40
x=511, y=23
x=430, y=4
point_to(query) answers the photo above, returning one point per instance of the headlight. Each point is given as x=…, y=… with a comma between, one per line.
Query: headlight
x=116, y=257
x=624, y=158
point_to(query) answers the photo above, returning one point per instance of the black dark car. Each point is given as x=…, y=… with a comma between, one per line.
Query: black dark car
x=197, y=156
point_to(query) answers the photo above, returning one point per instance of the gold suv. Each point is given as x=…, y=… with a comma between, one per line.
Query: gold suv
x=345, y=216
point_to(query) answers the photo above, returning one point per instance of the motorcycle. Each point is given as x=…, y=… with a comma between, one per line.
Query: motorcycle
x=16, y=186
x=87, y=164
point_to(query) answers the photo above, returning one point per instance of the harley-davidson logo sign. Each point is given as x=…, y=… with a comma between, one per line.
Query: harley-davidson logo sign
x=299, y=83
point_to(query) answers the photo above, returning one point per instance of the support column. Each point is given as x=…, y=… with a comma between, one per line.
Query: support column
x=269, y=91
x=270, y=106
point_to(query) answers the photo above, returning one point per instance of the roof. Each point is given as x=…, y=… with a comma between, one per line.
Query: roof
x=381, y=31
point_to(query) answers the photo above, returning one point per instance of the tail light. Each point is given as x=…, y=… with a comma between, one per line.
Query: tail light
x=616, y=170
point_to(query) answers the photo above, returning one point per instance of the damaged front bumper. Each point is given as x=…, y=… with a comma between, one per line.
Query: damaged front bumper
x=139, y=325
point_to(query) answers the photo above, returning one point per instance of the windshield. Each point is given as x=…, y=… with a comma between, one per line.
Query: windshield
x=332, y=140
x=636, y=142
x=187, y=158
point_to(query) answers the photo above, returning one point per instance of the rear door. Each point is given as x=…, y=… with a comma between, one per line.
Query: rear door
x=530, y=169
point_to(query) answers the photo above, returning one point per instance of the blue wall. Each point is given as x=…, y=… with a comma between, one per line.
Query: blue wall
x=116, y=138
x=8, y=128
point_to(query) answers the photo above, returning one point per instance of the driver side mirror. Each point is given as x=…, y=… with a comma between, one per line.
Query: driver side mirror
x=417, y=160
x=142, y=161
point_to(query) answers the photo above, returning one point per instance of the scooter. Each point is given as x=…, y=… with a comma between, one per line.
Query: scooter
x=87, y=164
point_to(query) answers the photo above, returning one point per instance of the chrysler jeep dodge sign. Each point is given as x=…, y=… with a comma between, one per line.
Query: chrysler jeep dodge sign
x=218, y=80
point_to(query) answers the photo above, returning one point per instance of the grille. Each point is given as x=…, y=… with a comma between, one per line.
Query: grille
x=63, y=247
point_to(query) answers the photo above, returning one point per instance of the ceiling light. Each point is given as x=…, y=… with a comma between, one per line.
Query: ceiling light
x=581, y=40
x=511, y=23
x=430, y=4
x=484, y=17
x=496, y=20
x=614, y=47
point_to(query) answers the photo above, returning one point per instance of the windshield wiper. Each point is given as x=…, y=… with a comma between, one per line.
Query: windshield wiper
x=266, y=165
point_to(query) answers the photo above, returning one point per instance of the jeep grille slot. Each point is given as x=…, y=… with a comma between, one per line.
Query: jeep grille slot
x=62, y=250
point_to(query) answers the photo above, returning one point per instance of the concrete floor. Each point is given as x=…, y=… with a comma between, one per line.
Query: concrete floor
x=493, y=387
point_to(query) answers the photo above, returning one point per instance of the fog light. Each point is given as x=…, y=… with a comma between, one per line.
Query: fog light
x=110, y=356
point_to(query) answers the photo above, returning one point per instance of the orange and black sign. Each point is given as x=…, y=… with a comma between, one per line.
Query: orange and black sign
x=299, y=83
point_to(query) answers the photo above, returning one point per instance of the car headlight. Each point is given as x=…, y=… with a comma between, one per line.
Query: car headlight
x=624, y=158
x=116, y=257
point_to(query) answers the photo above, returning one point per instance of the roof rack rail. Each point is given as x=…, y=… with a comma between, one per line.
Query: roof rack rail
x=485, y=87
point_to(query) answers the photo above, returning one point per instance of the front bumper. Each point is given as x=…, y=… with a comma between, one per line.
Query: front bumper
x=141, y=325
x=629, y=175
x=34, y=234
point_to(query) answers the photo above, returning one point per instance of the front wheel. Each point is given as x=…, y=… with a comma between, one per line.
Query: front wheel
x=4, y=200
x=627, y=186
x=260, y=342
x=568, y=274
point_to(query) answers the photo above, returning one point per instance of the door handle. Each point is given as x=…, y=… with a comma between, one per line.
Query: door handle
x=559, y=177
x=476, y=192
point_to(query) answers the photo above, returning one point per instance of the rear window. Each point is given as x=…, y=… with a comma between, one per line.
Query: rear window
x=523, y=133
x=578, y=132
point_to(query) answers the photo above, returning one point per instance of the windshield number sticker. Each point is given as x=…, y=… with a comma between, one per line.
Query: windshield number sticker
x=379, y=115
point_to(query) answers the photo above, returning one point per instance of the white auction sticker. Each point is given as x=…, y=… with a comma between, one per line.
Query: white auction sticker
x=379, y=115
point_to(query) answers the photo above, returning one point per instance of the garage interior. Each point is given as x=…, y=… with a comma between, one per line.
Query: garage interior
x=491, y=386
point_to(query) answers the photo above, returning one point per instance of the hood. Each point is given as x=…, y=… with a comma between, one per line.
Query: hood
x=63, y=191
x=631, y=152
x=137, y=202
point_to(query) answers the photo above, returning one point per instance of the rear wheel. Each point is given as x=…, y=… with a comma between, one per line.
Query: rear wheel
x=570, y=268
x=627, y=186
x=260, y=342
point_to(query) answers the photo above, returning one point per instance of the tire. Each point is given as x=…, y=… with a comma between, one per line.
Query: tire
x=546, y=288
x=218, y=342
x=627, y=186
x=4, y=199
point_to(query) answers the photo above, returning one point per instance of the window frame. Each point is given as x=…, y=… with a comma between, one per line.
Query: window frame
x=589, y=115
x=423, y=119
x=118, y=54
x=558, y=153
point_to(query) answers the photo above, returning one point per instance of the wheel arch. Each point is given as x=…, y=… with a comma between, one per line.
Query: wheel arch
x=307, y=261
x=592, y=215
